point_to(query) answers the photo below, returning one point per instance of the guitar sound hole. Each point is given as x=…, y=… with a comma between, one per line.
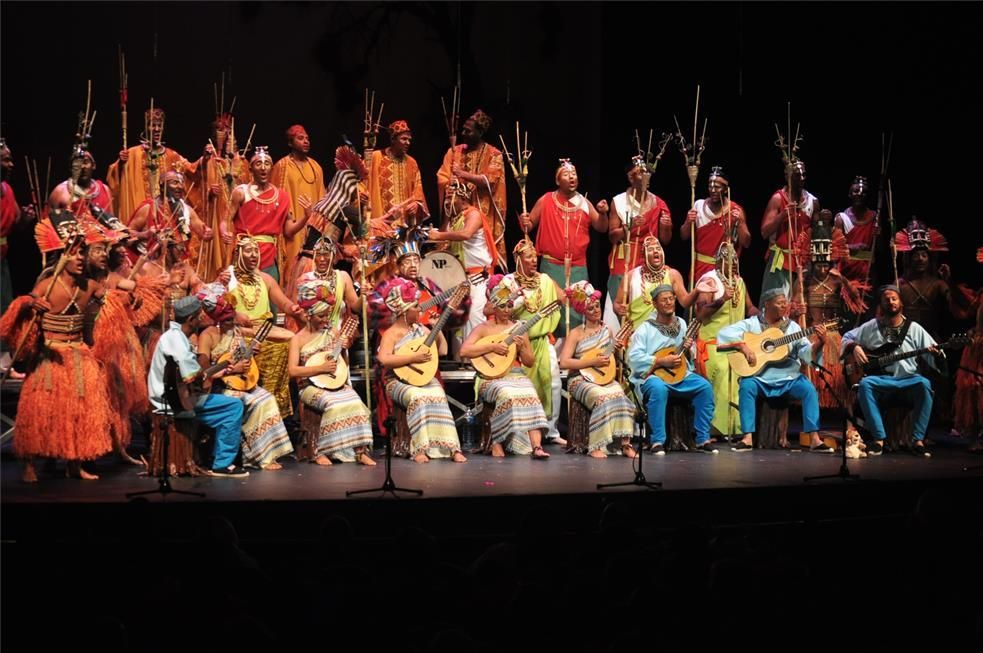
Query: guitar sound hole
x=768, y=346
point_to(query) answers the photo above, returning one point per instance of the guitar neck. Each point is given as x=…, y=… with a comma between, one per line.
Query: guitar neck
x=887, y=359
x=521, y=329
x=438, y=327
x=436, y=299
x=798, y=335
x=690, y=333
x=215, y=369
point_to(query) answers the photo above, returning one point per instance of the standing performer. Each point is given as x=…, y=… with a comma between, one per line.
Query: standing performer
x=538, y=290
x=170, y=212
x=301, y=176
x=723, y=299
x=479, y=165
x=345, y=433
x=428, y=417
x=663, y=330
x=612, y=414
x=563, y=218
x=472, y=242
x=86, y=197
x=892, y=332
x=337, y=282
x=646, y=215
x=635, y=296
x=859, y=225
x=792, y=203
x=518, y=421
x=136, y=176
x=262, y=211
x=264, y=437
x=780, y=378
x=394, y=179
x=10, y=215
x=926, y=287
x=717, y=219
x=64, y=410
x=212, y=179
x=968, y=417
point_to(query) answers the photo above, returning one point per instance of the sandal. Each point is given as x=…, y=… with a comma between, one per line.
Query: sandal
x=538, y=453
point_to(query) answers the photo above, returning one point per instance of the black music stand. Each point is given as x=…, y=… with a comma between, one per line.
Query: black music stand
x=844, y=471
x=639, y=480
x=388, y=485
x=164, y=478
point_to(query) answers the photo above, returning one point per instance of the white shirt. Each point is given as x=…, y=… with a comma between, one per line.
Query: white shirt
x=175, y=344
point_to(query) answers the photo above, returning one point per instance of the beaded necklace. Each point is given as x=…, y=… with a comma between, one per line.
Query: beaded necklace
x=301, y=171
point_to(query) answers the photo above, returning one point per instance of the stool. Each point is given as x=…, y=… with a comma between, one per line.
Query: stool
x=679, y=425
x=899, y=425
x=401, y=438
x=772, y=431
x=578, y=428
x=183, y=436
x=484, y=427
x=310, y=427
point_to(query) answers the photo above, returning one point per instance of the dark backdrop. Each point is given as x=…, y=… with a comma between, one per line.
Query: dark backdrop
x=580, y=76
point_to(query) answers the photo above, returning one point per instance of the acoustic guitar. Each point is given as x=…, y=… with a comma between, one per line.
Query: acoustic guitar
x=673, y=375
x=247, y=380
x=420, y=374
x=877, y=365
x=769, y=346
x=329, y=381
x=181, y=395
x=495, y=366
x=428, y=308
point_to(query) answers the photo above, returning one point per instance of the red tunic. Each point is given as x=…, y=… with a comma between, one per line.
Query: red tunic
x=641, y=228
x=8, y=214
x=98, y=195
x=802, y=222
x=860, y=240
x=263, y=217
x=708, y=239
x=551, y=237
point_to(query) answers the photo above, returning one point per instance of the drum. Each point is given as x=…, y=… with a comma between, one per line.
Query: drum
x=443, y=269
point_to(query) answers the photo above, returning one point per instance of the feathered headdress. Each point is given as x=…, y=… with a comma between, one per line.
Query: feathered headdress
x=52, y=233
x=917, y=235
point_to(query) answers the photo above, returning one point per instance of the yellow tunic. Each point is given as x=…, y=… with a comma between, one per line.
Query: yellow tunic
x=133, y=182
x=393, y=182
x=298, y=179
x=218, y=171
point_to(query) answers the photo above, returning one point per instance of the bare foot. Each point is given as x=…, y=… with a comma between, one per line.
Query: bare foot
x=271, y=467
x=539, y=454
x=458, y=457
x=29, y=474
x=628, y=451
x=497, y=450
x=322, y=460
x=364, y=459
x=597, y=453
x=421, y=458
x=130, y=459
x=75, y=471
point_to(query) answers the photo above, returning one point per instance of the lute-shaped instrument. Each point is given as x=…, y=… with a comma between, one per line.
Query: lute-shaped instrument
x=494, y=366
x=420, y=374
x=329, y=381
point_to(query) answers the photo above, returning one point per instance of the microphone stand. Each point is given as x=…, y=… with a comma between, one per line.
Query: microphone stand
x=844, y=471
x=639, y=480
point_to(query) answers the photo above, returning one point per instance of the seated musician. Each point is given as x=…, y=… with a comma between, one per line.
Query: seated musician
x=892, y=333
x=338, y=282
x=345, y=433
x=264, y=437
x=431, y=425
x=218, y=411
x=664, y=329
x=780, y=378
x=612, y=414
x=518, y=422
x=408, y=262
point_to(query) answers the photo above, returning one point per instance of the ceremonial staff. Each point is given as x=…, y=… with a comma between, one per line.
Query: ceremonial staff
x=692, y=152
x=520, y=169
x=371, y=125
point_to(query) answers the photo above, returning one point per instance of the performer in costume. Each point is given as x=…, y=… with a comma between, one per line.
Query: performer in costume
x=646, y=215
x=337, y=282
x=395, y=186
x=300, y=175
x=717, y=219
x=64, y=410
x=222, y=413
x=518, y=421
x=538, y=290
x=211, y=180
x=431, y=425
x=254, y=292
x=563, y=219
x=473, y=243
x=859, y=225
x=635, y=296
x=345, y=434
x=968, y=418
x=926, y=287
x=10, y=215
x=170, y=211
x=723, y=299
x=612, y=414
x=900, y=334
x=665, y=329
x=264, y=437
x=480, y=167
x=780, y=378
x=262, y=211
x=135, y=176
x=801, y=205
x=86, y=197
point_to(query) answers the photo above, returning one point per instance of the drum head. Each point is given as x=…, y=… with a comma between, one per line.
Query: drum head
x=443, y=269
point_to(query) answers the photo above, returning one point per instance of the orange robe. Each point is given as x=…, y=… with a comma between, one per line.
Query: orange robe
x=131, y=183
x=297, y=179
x=393, y=182
x=203, y=174
x=485, y=160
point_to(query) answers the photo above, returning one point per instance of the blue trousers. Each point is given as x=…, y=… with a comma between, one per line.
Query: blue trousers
x=875, y=388
x=694, y=387
x=799, y=388
x=224, y=414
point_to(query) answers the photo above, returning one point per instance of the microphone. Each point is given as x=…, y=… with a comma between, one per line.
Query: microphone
x=820, y=368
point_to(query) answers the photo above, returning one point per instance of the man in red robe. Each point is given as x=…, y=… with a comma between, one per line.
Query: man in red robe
x=859, y=224
x=716, y=218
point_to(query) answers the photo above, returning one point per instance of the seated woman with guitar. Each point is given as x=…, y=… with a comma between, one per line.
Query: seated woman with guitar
x=589, y=353
x=345, y=433
x=224, y=414
x=518, y=422
x=428, y=417
x=779, y=377
x=264, y=437
x=660, y=367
